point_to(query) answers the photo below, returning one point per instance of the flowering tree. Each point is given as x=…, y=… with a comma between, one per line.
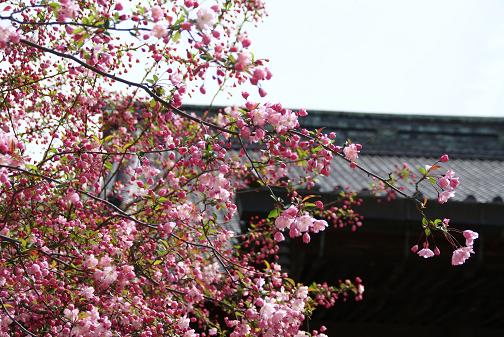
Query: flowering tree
x=117, y=206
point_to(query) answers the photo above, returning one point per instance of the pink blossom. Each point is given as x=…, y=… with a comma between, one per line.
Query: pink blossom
x=306, y=238
x=71, y=314
x=283, y=120
x=90, y=262
x=107, y=276
x=87, y=292
x=454, y=182
x=450, y=174
x=303, y=223
x=461, y=255
x=73, y=198
x=444, y=196
x=157, y=13
x=242, y=62
x=205, y=19
x=7, y=35
x=283, y=222
x=159, y=31
x=6, y=140
x=425, y=253
x=470, y=236
x=279, y=237
x=414, y=249
x=443, y=182
x=166, y=229
x=292, y=211
x=259, y=116
x=444, y=158
x=267, y=311
x=302, y=334
x=351, y=152
x=68, y=10
x=319, y=225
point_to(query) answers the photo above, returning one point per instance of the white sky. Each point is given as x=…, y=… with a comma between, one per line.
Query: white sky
x=399, y=56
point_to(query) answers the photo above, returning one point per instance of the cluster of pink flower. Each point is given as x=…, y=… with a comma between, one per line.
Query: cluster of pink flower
x=67, y=10
x=299, y=225
x=351, y=151
x=448, y=183
x=215, y=186
x=7, y=34
x=279, y=118
x=282, y=315
x=461, y=254
x=8, y=155
x=86, y=324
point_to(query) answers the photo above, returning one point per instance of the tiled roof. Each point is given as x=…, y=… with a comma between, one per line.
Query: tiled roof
x=414, y=135
x=474, y=144
x=480, y=180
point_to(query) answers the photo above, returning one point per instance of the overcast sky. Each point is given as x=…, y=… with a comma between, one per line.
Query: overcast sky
x=402, y=56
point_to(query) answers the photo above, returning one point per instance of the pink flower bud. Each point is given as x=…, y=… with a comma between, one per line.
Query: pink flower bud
x=444, y=158
x=437, y=252
x=245, y=43
x=443, y=182
x=306, y=238
x=302, y=113
x=414, y=249
x=279, y=237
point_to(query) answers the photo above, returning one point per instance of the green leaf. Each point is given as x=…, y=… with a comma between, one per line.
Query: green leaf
x=54, y=6
x=268, y=266
x=176, y=36
x=274, y=213
x=291, y=281
x=427, y=232
x=180, y=20
x=108, y=165
x=31, y=167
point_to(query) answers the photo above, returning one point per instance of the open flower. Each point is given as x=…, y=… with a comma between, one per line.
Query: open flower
x=206, y=18
x=470, y=236
x=425, y=253
x=352, y=151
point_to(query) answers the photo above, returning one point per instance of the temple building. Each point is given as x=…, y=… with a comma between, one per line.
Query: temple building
x=406, y=294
